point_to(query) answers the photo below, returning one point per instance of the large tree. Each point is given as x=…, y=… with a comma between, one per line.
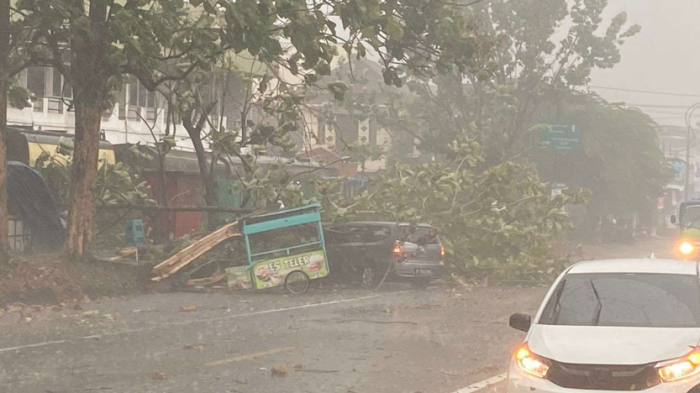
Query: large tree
x=530, y=53
x=95, y=44
x=619, y=159
x=161, y=40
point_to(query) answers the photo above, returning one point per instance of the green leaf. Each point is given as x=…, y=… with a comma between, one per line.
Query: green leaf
x=394, y=29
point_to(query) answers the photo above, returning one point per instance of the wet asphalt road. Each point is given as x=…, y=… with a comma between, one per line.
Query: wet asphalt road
x=397, y=339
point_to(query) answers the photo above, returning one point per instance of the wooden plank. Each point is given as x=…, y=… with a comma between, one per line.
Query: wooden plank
x=185, y=251
x=192, y=257
x=200, y=249
x=176, y=262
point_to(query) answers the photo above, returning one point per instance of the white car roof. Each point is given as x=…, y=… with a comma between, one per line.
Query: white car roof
x=659, y=266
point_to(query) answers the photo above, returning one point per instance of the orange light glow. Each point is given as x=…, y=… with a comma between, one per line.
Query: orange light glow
x=680, y=369
x=530, y=364
x=522, y=353
x=694, y=358
x=397, y=250
x=686, y=248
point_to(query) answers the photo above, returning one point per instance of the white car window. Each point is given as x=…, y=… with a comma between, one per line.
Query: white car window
x=635, y=300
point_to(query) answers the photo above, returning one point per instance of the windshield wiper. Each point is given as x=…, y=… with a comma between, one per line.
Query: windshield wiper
x=557, y=305
x=599, y=307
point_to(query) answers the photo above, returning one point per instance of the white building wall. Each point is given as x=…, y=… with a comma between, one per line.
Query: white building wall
x=50, y=113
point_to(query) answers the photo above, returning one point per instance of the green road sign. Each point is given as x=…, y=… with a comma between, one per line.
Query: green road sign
x=561, y=137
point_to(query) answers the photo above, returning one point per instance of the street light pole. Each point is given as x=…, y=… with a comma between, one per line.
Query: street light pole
x=686, y=187
x=688, y=123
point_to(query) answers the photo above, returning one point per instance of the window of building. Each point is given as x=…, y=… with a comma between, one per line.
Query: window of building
x=121, y=100
x=36, y=81
x=36, y=84
x=138, y=97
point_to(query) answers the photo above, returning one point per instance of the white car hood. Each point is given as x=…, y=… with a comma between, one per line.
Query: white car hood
x=611, y=345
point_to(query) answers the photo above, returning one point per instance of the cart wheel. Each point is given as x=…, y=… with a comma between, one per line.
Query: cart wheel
x=297, y=282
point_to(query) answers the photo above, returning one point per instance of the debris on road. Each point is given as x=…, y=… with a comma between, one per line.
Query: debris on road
x=381, y=322
x=139, y=310
x=188, y=308
x=159, y=376
x=131, y=253
x=184, y=257
x=426, y=306
x=307, y=370
x=206, y=281
x=250, y=356
x=280, y=370
x=127, y=251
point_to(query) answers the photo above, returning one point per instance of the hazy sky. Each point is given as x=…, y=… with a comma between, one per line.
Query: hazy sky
x=664, y=57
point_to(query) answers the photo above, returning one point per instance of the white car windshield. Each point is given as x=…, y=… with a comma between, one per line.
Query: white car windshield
x=634, y=300
x=691, y=218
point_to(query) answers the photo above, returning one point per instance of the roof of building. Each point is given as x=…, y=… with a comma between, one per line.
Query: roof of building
x=636, y=265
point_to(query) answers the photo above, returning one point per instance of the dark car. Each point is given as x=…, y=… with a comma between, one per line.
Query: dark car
x=365, y=251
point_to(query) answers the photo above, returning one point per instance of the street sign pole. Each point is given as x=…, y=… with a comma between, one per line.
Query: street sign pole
x=686, y=187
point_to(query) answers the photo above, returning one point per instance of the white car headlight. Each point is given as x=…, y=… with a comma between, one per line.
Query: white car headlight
x=530, y=363
x=680, y=368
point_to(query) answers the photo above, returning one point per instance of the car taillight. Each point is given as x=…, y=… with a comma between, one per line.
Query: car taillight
x=442, y=252
x=398, y=250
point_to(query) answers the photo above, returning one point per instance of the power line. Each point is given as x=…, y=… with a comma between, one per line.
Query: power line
x=683, y=107
x=646, y=91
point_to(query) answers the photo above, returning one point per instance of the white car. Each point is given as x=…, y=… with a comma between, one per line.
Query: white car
x=613, y=325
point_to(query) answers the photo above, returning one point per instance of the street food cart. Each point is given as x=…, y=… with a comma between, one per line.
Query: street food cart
x=284, y=248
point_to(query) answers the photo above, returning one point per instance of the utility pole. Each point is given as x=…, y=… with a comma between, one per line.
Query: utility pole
x=687, y=164
x=689, y=124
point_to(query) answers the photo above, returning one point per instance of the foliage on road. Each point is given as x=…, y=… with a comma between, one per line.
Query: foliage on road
x=496, y=221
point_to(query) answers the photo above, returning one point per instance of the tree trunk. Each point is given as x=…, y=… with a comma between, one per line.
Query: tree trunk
x=211, y=197
x=4, y=79
x=83, y=177
x=4, y=245
x=89, y=75
x=194, y=130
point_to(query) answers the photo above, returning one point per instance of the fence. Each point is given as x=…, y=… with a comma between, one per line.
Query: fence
x=19, y=237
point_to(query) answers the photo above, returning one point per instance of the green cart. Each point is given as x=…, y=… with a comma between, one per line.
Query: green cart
x=284, y=248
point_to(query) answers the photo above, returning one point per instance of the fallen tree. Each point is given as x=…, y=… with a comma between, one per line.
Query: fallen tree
x=496, y=222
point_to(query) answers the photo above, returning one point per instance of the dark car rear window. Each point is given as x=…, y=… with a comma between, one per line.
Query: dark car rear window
x=631, y=300
x=422, y=236
x=375, y=233
x=359, y=233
